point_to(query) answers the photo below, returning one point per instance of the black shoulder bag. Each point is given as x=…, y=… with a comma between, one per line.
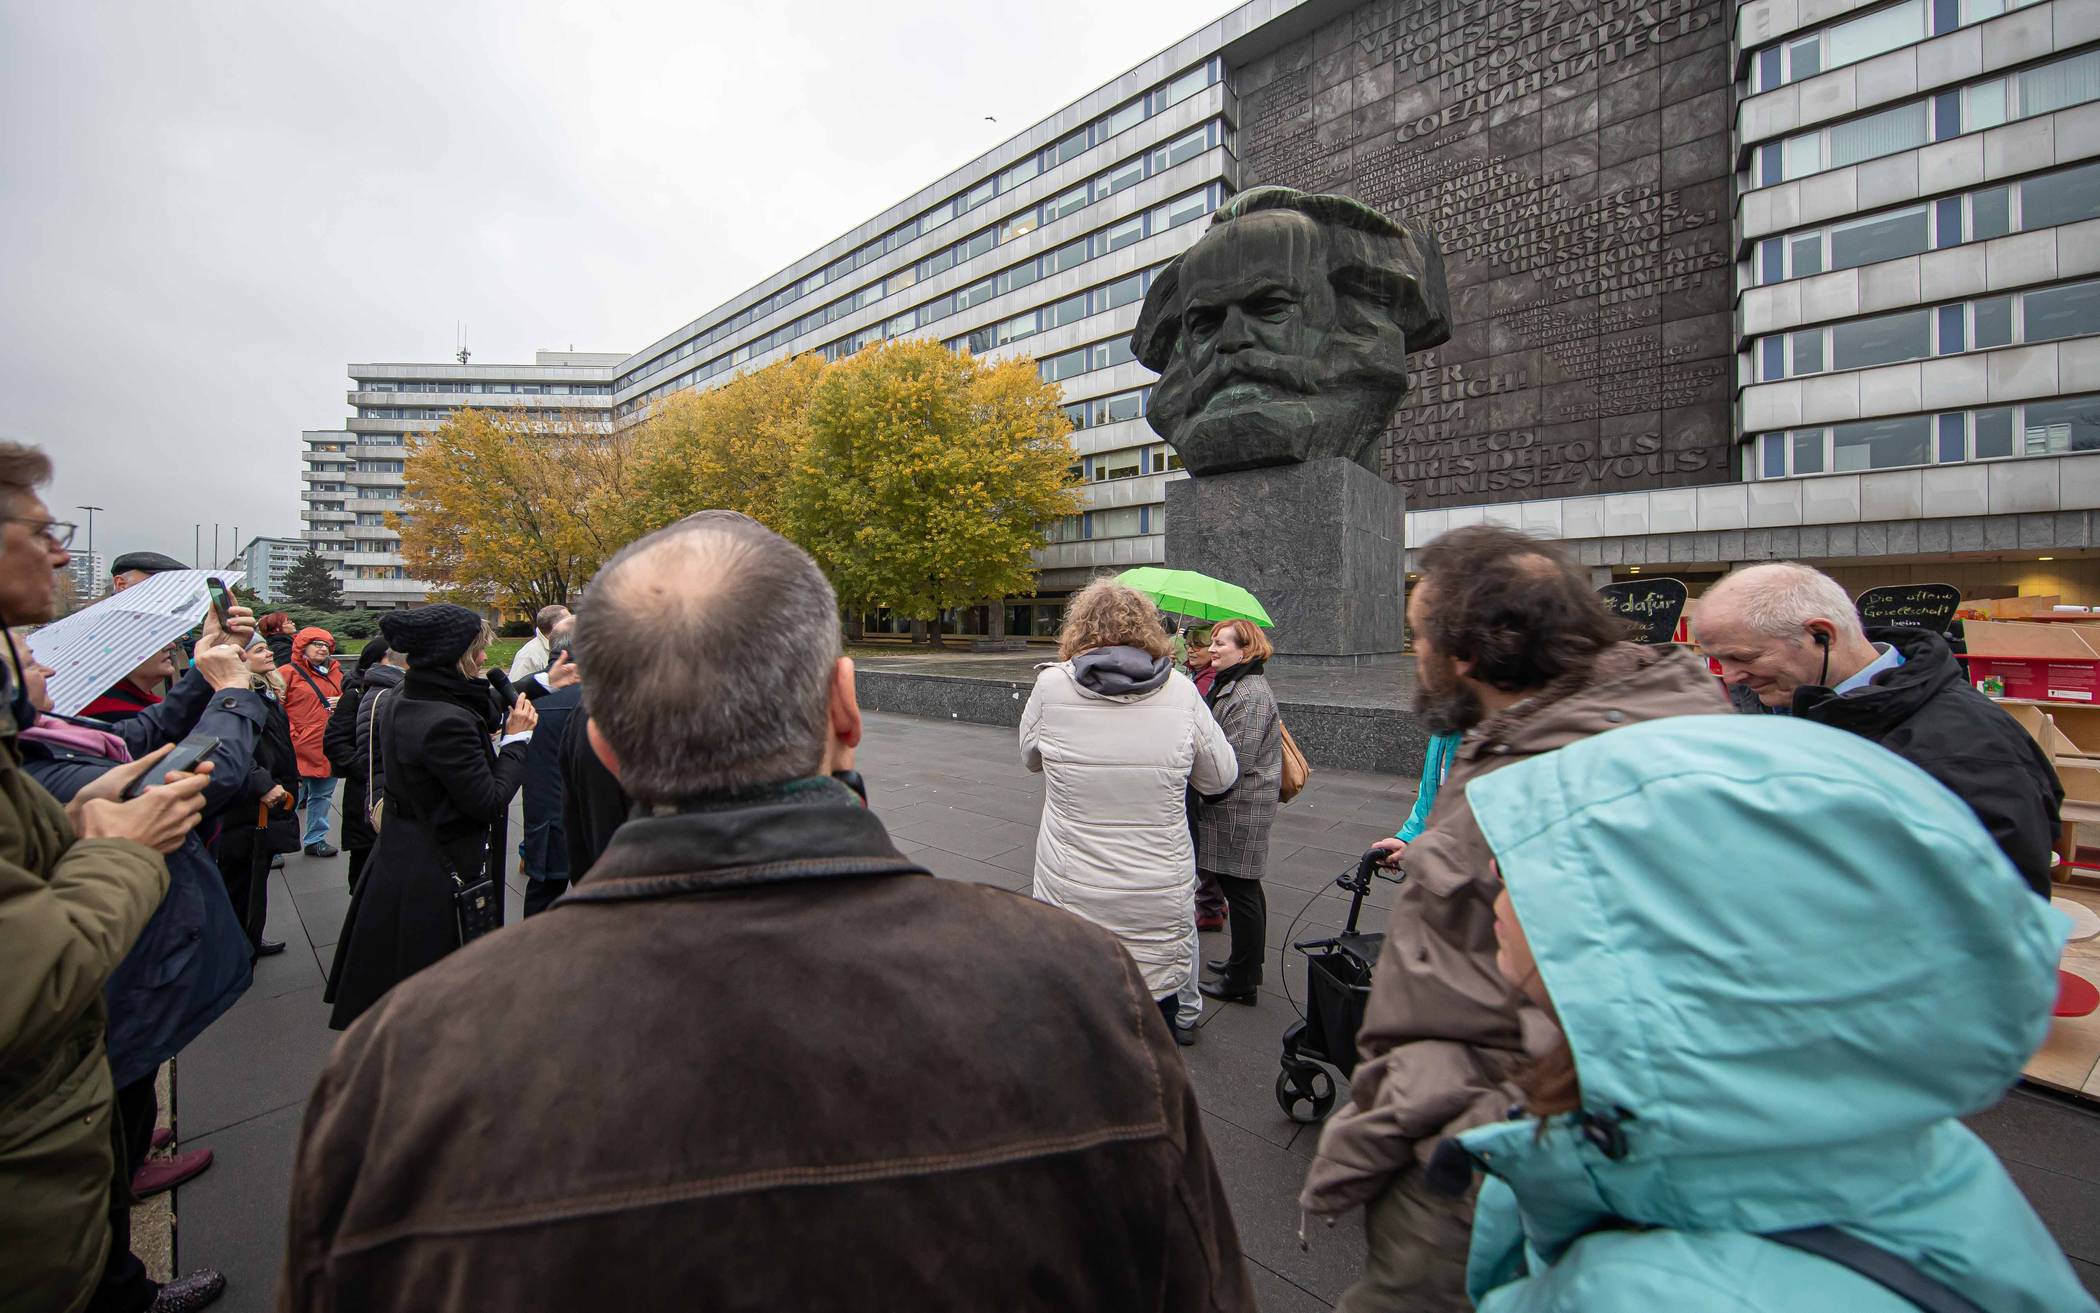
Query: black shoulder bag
x=476, y=908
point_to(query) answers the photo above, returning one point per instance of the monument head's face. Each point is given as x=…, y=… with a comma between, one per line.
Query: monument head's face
x=1282, y=336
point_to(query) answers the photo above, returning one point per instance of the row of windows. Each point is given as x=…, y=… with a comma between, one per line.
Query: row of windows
x=1121, y=522
x=2039, y=90
x=2039, y=428
x=1864, y=37
x=1117, y=121
x=1111, y=409
x=1182, y=209
x=1136, y=228
x=515, y=389
x=2044, y=315
x=379, y=467
x=2044, y=201
x=1070, y=310
x=446, y=412
x=1083, y=360
x=1130, y=463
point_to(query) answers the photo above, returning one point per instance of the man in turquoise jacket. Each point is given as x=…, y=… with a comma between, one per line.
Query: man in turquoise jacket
x=1785, y=962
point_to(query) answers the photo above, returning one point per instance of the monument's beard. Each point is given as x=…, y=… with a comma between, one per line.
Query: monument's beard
x=1251, y=409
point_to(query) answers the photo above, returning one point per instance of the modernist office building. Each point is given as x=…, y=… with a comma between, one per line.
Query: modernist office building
x=264, y=563
x=1788, y=278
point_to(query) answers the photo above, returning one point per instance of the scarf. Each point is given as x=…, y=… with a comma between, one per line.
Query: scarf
x=1229, y=676
x=446, y=684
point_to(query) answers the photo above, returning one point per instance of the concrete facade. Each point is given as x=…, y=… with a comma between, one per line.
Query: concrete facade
x=265, y=562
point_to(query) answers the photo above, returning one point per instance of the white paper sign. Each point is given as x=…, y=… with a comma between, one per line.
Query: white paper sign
x=95, y=647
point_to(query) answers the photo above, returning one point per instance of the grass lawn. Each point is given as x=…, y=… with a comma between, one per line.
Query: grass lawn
x=504, y=650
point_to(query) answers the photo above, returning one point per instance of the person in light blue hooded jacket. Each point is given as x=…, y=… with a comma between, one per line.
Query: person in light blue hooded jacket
x=1785, y=961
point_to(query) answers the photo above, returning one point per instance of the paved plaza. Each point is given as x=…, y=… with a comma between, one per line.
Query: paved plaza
x=956, y=797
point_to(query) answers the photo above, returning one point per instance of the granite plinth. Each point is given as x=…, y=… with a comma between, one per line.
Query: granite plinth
x=1320, y=543
x=1344, y=718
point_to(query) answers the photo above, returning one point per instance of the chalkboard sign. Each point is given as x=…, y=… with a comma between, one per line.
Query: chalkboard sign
x=1909, y=606
x=1652, y=605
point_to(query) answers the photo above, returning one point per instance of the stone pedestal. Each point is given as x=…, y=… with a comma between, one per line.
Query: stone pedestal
x=1320, y=543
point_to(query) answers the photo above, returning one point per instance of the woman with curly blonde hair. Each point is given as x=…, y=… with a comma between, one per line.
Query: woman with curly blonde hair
x=1120, y=736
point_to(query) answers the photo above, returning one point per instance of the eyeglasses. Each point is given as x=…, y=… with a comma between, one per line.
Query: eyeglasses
x=58, y=533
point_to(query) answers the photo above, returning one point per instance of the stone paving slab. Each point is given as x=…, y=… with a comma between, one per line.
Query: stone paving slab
x=241, y=1087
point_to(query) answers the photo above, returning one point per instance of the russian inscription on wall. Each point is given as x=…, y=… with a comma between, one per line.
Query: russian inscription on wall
x=1573, y=157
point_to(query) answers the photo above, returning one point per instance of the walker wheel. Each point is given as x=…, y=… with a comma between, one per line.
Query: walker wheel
x=1305, y=1092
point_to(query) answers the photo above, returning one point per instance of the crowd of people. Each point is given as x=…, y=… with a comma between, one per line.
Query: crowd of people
x=1676, y=1008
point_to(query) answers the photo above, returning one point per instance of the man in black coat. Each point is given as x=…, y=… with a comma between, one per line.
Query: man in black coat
x=1788, y=636
x=543, y=852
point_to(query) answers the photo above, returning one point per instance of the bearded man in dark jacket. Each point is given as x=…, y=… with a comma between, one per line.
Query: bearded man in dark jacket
x=836, y=1081
x=1790, y=642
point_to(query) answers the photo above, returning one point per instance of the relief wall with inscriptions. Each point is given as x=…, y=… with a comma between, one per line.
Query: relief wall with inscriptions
x=1573, y=159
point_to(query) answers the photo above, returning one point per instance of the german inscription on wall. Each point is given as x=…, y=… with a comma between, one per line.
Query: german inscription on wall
x=1572, y=156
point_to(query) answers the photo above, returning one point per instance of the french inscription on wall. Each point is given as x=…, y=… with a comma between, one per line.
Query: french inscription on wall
x=1572, y=156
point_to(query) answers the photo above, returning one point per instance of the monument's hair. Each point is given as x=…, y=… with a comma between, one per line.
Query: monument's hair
x=708, y=649
x=1391, y=260
x=1108, y=614
x=1777, y=599
x=1512, y=605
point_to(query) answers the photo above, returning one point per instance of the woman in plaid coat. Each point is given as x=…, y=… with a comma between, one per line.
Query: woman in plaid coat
x=1232, y=831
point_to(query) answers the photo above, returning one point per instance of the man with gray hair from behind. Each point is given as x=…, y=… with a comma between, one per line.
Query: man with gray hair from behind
x=1790, y=642
x=755, y=1058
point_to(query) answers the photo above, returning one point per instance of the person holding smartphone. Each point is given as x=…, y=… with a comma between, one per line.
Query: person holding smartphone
x=312, y=687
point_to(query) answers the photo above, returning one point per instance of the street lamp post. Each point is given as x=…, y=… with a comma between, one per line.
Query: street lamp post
x=91, y=548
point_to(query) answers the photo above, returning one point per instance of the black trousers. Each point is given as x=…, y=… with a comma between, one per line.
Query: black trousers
x=125, y=1287
x=244, y=864
x=1169, y=1007
x=1248, y=920
x=540, y=893
x=357, y=865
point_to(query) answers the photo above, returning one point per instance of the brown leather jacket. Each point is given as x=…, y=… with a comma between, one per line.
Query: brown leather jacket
x=1443, y=1029
x=758, y=1060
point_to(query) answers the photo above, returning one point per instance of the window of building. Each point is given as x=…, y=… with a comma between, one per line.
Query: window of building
x=1874, y=34
x=2060, y=85
x=2053, y=427
x=1183, y=148
x=1991, y=432
x=2054, y=313
x=1122, y=522
x=1882, y=444
x=1068, y=311
x=1122, y=291
x=1881, y=340
x=1064, y=203
x=1019, y=172
x=1124, y=233
x=1884, y=237
x=2066, y=196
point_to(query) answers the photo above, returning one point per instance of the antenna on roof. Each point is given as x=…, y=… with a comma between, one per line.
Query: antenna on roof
x=462, y=353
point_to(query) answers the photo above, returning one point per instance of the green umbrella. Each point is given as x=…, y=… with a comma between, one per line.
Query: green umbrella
x=1199, y=595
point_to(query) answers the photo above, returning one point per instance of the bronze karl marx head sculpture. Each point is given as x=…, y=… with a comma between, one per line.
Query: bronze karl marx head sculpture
x=1282, y=336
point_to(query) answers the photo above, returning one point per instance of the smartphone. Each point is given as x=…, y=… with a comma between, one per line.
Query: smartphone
x=187, y=754
x=222, y=604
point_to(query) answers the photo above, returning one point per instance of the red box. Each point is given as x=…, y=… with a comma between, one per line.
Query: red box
x=2040, y=681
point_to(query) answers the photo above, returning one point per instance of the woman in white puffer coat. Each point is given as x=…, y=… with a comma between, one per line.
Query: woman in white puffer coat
x=1120, y=737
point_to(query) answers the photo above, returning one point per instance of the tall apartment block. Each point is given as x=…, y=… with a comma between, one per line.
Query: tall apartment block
x=354, y=474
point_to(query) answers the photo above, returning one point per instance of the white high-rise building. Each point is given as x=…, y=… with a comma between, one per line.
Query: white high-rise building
x=354, y=474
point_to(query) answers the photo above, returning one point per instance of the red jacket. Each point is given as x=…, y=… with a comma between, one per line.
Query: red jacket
x=309, y=695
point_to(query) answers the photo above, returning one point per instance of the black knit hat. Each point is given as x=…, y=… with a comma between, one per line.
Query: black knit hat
x=149, y=562
x=431, y=635
x=371, y=654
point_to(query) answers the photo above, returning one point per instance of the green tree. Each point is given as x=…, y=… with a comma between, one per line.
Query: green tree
x=729, y=448
x=929, y=478
x=511, y=508
x=311, y=582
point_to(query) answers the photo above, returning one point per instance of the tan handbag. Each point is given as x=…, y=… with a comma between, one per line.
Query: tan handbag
x=373, y=806
x=1296, y=769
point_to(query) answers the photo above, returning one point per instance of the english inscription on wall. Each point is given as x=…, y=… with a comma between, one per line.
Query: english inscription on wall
x=1572, y=156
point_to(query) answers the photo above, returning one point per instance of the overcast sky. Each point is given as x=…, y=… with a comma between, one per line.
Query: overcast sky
x=211, y=208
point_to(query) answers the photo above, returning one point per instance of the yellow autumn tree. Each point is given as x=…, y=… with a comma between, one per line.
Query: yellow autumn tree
x=731, y=448
x=929, y=477
x=508, y=507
